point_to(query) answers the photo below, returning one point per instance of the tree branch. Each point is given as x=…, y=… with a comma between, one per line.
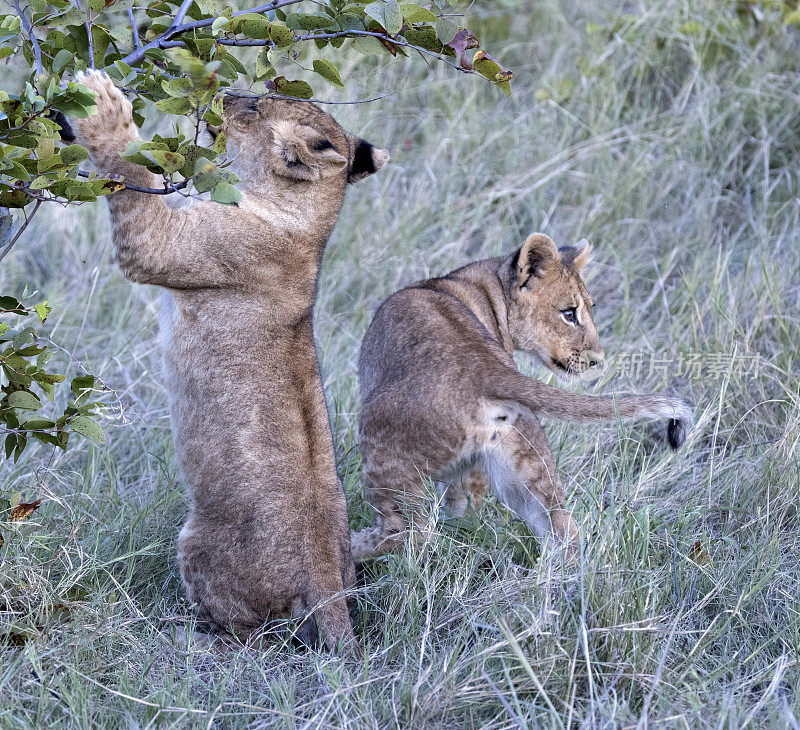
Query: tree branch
x=166, y=190
x=180, y=15
x=28, y=219
x=136, y=42
x=347, y=34
x=37, y=51
x=177, y=29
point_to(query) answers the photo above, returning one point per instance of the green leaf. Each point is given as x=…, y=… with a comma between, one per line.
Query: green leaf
x=191, y=154
x=13, y=198
x=178, y=88
x=81, y=383
x=376, y=11
x=63, y=57
x=10, y=304
x=38, y=424
x=425, y=37
x=446, y=30
x=328, y=71
x=280, y=34
x=73, y=16
x=368, y=45
x=415, y=14
x=393, y=17
x=219, y=24
x=174, y=105
x=253, y=26
x=225, y=194
x=309, y=21
x=40, y=183
x=88, y=428
x=263, y=68
x=298, y=89
x=73, y=154
x=23, y=399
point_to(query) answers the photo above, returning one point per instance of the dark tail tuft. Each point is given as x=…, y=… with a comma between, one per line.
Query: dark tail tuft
x=67, y=133
x=676, y=433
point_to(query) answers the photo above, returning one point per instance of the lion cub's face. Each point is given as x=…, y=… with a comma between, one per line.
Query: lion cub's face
x=550, y=311
x=294, y=140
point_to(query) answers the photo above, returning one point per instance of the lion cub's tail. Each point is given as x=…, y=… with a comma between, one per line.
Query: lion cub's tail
x=545, y=400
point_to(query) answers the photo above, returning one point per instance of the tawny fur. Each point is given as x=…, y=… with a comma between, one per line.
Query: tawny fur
x=266, y=535
x=442, y=396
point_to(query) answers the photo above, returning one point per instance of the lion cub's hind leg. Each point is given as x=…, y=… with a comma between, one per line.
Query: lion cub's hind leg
x=522, y=475
x=466, y=492
x=396, y=493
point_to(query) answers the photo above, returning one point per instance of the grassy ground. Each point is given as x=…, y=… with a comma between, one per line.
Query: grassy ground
x=674, y=149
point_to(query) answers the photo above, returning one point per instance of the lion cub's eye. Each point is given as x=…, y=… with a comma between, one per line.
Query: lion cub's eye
x=570, y=315
x=321, y=144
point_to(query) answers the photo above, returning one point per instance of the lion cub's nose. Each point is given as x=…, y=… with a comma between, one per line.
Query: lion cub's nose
x=593, y=358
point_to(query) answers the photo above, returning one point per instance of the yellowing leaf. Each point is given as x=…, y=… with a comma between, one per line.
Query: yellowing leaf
x=485, y=65
x=42, y=310
x=698, y=555
x=23, y=510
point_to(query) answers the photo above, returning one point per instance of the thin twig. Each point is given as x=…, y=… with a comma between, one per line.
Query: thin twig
x=382, y=36
x=37, y=51
x=166, y=190
x=137, y=55
x=274, y=95
x=87, y=24
x=136, y=42
x=28, y=219
x=347, y=34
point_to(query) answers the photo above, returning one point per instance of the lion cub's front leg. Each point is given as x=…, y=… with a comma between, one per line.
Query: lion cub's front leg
x=108, y=133
x=153, y=244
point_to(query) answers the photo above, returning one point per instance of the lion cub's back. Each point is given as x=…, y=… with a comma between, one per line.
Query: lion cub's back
x=416, y=333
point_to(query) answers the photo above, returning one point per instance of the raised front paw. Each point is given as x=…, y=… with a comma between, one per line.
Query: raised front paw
x=111, y=128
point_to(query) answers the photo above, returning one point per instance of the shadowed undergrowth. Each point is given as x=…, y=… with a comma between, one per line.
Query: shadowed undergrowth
x=673, y=148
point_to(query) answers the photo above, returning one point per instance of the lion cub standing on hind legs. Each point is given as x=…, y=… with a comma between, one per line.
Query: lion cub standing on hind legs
x=442, y=397
x=267, y=534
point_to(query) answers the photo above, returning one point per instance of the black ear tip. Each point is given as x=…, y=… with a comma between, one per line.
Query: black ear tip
x=67, y=133
x=676, y=433
x=363, y=161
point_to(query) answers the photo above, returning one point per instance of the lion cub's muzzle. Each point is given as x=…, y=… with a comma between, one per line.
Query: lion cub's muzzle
x=586, y=364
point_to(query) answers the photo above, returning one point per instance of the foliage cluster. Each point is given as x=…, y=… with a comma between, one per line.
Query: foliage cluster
x=175, y=59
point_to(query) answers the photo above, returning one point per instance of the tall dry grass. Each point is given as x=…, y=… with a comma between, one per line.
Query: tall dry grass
x=674, y=149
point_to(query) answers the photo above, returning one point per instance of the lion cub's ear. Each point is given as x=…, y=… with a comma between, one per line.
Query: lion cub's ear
x=366, y=161
x=578, y=254
x=237, y=111
x=303, y=153
x=536, y=256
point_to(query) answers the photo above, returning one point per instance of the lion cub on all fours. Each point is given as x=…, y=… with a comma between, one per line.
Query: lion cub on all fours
x=442, y=396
